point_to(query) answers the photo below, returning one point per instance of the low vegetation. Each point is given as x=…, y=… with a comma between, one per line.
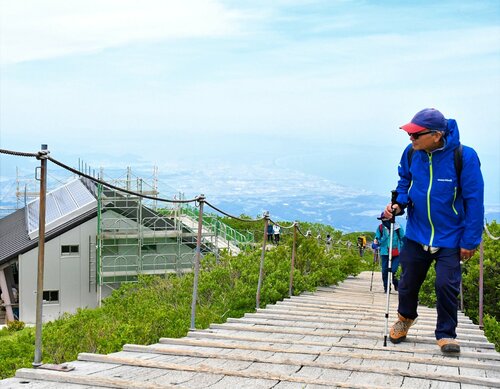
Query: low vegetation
x=157, y=307
x=470, y=285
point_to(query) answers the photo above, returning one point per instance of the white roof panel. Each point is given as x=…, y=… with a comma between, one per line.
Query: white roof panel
x=62, y=204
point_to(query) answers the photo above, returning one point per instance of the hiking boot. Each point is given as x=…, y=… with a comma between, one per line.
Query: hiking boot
x=448, y=345
x=399, y=329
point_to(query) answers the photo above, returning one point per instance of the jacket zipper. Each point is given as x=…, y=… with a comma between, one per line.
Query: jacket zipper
x=429, y=199
x=453, y=204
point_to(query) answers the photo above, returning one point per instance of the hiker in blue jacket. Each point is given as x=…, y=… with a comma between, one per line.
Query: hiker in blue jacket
x=441, y=187
x=270, y=232
x=382, y=239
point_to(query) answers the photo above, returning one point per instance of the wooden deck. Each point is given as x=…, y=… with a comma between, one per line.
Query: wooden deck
x=327, y=339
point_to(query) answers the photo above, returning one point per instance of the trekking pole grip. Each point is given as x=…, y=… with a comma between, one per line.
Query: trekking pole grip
x=394, y=196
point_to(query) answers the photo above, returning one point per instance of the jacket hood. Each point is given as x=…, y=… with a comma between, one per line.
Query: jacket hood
x=452, y=135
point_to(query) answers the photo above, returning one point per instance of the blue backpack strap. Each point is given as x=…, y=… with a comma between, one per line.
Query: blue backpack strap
x=410, y=156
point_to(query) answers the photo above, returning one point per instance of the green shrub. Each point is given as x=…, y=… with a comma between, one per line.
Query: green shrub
x=16, y=351
x=470, y=285
x=15, y=325
x=492, y=330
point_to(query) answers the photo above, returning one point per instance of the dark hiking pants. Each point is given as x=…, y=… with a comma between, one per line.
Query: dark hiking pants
x=415, y=263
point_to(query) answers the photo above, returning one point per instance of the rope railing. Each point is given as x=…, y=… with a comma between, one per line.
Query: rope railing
x=488, y=233
x=232, y=216
x=282, y=226
x=199, y=202
x=300, y=232
x=111, y=186
x=481, y=274
x=18, y=153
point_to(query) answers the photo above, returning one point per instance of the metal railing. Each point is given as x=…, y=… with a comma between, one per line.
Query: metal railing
x=218, y=228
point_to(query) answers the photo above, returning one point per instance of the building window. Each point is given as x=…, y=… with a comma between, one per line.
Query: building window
x=50, y=296
x=69, y=249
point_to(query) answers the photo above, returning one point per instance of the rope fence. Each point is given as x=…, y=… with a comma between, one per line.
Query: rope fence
x=488, y=233
x=199, y=202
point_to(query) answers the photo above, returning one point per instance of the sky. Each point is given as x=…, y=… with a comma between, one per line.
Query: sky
x=299, y=86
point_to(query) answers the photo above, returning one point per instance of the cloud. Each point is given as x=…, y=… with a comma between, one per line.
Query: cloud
x=33, y=29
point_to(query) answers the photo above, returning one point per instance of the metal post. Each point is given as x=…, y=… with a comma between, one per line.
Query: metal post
x=292, y=266
x=481, y=279
x=261, y=269
x=201, y=200
x=42, y=156
x=99, y=244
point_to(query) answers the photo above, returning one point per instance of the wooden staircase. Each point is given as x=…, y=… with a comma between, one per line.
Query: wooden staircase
x=326, y=339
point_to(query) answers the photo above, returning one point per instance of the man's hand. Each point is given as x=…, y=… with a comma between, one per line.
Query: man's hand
x=465, y=254
x=391, y=209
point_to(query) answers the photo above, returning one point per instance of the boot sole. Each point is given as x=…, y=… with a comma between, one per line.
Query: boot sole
x=450, y=348
x=398, y=340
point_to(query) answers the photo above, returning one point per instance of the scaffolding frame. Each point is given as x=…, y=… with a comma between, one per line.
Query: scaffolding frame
x=134, y=239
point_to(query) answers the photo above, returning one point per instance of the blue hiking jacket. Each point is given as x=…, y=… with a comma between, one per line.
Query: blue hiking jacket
x=440, y=213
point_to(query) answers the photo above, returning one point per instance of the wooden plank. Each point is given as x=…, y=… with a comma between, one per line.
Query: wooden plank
x=202, y=334
x=73, y=378
x=334, y=317
x=297, y=350
x=257, y=374
x=353, y=326
x=273, y=376
x=354, y=308
x=275, y=328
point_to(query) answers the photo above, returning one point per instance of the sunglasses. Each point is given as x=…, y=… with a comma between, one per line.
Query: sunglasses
x=417, y=135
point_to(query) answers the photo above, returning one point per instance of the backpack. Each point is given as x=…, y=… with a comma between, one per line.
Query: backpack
x=458, y=161
x=380, y=228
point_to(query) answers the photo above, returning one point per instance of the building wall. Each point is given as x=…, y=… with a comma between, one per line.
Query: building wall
x=68, y=274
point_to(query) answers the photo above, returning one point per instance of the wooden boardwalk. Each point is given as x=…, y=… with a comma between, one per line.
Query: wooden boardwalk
x=327, y=339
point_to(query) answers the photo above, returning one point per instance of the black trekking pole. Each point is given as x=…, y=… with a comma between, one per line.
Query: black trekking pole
x=394, y=195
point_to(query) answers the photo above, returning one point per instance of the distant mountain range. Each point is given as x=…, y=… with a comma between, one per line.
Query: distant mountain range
x=288, y=195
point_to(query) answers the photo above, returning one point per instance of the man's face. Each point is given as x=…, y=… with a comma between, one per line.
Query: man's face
x=425, y=140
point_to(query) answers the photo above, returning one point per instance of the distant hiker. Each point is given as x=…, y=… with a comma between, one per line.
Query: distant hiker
x=270, y=232
x=382, y=240
x=441, y=184
x=361, y=245
x=328, y=242
x=276, y=232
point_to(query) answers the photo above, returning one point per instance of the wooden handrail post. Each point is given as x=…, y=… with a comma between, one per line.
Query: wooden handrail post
x=292, y=264
x=42, y=156
x=261, y=269
x=201, y=200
